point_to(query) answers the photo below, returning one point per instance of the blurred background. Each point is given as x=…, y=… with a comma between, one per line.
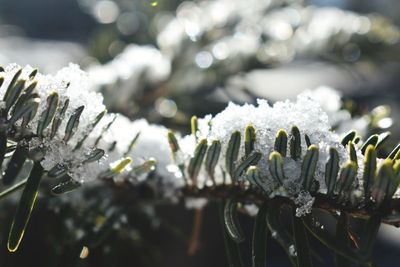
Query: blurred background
x=166, y=60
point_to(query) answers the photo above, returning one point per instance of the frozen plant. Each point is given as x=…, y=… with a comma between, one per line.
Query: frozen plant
x=267, y=142
x=57, y=127
x=267, y=158
x=287, y=155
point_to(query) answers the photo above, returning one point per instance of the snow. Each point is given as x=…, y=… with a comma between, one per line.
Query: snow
x=74, y=84
x=152, y=142
x=129, y=73
x=330, y=100
x=78, y=92
x=306, y=113
x=134, y=61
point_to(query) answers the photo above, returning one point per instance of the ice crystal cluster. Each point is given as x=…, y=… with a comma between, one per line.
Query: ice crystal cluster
x=306, y=113
x=70, y=83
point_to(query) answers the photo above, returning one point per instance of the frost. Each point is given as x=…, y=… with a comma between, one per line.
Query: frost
x=74, y=84
x=304, y=203
x=151, y=142
x=70, y=83
x=305, y=112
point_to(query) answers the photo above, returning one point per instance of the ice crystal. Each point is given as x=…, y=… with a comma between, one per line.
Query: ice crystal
x=304, y=202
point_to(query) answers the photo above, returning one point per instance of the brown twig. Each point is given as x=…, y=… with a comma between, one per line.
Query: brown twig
x=194, y=243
